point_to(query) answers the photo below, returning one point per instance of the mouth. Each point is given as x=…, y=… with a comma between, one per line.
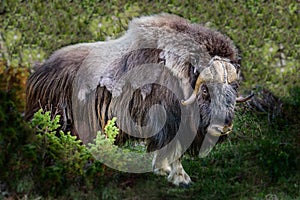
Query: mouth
x=218, y=131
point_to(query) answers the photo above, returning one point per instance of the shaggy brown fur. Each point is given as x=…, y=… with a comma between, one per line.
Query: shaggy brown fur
x=88, y=69
x=50, y=86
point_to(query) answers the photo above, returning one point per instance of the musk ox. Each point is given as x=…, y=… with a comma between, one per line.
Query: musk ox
x=168, y=81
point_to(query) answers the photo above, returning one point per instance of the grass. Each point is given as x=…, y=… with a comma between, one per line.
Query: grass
x=255, y=162
x=252, y=164
x=257, y=166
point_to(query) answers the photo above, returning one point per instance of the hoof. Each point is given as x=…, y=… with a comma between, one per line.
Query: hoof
x=180, y=179
x=184, y=185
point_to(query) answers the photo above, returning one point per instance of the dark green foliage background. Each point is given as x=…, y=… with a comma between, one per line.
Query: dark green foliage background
x=267, y=33
x=260, y=159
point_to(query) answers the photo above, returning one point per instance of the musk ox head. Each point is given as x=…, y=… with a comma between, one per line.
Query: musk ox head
x=167, y=80
x=216, y=88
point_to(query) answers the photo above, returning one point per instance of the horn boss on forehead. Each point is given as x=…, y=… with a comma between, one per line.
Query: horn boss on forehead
x=218, y=72
x=232, y=72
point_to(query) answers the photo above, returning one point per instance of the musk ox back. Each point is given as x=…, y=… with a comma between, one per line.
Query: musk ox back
x=166, y=80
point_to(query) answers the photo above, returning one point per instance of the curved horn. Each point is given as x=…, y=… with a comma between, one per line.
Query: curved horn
x=192, y=98
x=243, y=99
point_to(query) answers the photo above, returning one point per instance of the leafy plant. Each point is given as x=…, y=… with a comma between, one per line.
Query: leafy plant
x=122, y=159
x=60, y=156
x=111, y=131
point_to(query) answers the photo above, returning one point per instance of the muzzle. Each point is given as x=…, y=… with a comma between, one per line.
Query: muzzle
x=218, y=130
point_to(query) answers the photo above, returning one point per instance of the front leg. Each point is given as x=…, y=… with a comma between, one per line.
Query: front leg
x=178, y=176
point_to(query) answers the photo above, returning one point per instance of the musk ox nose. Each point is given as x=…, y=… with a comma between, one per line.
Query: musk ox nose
x=218, y=130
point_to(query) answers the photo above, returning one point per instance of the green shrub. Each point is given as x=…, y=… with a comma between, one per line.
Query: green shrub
x=41, y=160
x=60, y=157
x=45, y=163
x=122, y=159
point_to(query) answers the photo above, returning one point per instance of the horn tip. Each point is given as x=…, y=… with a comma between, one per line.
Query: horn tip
x=183, y=102
x=189, y=101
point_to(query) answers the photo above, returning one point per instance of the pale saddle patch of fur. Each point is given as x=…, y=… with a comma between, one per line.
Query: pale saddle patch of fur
x=145, y=32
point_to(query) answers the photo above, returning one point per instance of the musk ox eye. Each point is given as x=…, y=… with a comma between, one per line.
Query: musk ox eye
x=204, y=91
x=194, y=61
